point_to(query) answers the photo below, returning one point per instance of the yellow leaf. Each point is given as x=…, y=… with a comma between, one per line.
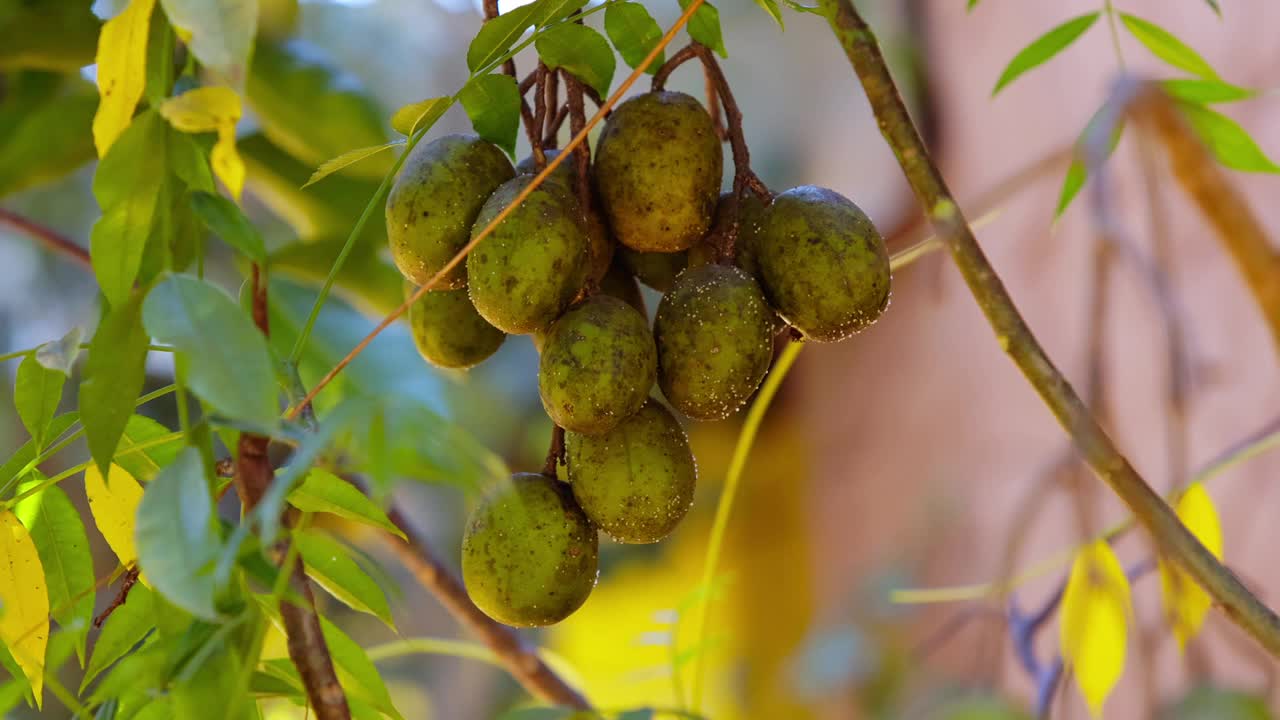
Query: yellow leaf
x=227, y=163
x=24, y=602
x=1186, y=603
x=122, y=71
x=205, y=109
x=114, y=504
x=1094, y=623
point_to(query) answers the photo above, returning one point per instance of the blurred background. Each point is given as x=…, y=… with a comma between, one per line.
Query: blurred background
x=911, y=456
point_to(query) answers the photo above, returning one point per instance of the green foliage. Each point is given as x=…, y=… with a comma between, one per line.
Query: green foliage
x=1228, y=142
x=498, y=35
x=634, y=32
x=323, y=492
x=1205, y=92
x=221, y=31
x=1045, y=47
x=123, y=630
x=225, y=219
x=113, y=375
x=1078, y=172
x=45, y=120
x=493, y=104
x=704, y=27
x=331, y=566
x=580, y=50
x=50, y=35
x=1206, y=702
x=177, y=543
x=36, y=394
x=1164, y=45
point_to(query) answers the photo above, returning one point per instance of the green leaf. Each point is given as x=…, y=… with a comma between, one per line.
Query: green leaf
x=145, y=464
x=775, y=12
x=225, y=219
x=1045, y=47
x=113, y=375
x=36, y=394
x=1228, y=142
x=47, y=133
x=177, y=545
x=228, y=363
x=1213, y=4
x=61, y=354
x=1206, y=702
x=704, y=27
x=222, y=31
x=633, y=32
x=324, y=492
x=1168, y=48
x=550, y=11
x=56, y=36
x=63, y=547
x=420, y=116
x=128, y=185
x=582, y=51
x=1204, y=92
x=125, y=627
x=539, y=713
x=331, y=566
x=493, y=104
x=346, y=159
x=1079, y=171
x=971, y=4
x=25, y=454
x=498, y=35
x=359, y=677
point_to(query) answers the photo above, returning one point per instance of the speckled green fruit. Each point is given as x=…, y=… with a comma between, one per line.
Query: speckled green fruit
x=714, y=332
x=598, y=364
x=565, y=172
x=658, y=270
x=435, y=200
x=620, y=283
x=744, y=247
x=635, y=481
x=658, y=167
x=528, y=270
x=600, y=247
x=448, y=331
x=529, y=553
x=822, y=263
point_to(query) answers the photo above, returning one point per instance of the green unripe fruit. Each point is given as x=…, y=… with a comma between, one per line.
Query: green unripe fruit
x=822, y=262
x=635, y=481
x=434, y=202
x=658, y=270
x=529, y=553
x=528, y=270
x=598, y=364
x=658, y=167
x=448, y=331
x=565, y=172
x=620, y=283
x=714, y=332
x=600, y=249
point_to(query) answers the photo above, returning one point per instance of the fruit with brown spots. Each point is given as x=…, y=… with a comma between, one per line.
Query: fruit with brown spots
x=448, y=331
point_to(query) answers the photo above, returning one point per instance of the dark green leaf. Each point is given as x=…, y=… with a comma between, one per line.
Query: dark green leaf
x=1229, y=142
x=550, y=11
x=634, y=33
x=177, y=545
x=124, y=629
x=23, y=456
x=113, y=375
x=61, y=354
x=1164, y=45
x=351, y=157
x=331, y=566
x=539, y=713
x=580, y=50
x=324, y=492
x=1079, y=172
x=47, y=134
x=264, y=684
x=493, y=104
x=63, y=547
x=704, y=27
x=189, y=161
x=637, y=714
x=1045, y=47
x=36, y=393
x=228, y=363
x=1206, y=91
x=58, y=36
x=359, y=677
x=1214, y=5
x=226, y=220
x=145, y=464
x=498, y=35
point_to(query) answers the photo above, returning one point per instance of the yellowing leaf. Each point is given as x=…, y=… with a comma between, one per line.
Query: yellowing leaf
x=227, y=163
x=1094, y=624
x=1185, y=602
x=122, y=71
x=114, y=503
x=212, y=109
x=24, y=602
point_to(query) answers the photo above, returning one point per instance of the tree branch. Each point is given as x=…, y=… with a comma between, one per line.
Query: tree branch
x=52, y=239
x=1171, y=536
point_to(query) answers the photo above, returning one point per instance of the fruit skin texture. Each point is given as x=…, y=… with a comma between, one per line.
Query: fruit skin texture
x=529, y=553
x=528, y=270
x=600, y=248
x=714, y=332
x=619, y=283
x=435, y=200
x=598, y=364
x=822, y=262
x=658, y=168
x=752, y=208
x=655, y=269
x=636, y=481
x=448, y=331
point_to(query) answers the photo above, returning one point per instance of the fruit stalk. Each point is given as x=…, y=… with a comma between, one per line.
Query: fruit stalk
x=1171, y=536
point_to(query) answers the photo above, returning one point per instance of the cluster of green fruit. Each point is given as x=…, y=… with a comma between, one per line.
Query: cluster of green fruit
x=810, y=260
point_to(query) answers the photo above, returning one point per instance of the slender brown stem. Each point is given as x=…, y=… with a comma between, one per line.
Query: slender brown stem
x=539, y=115
x=555, y=452
x=491, y=12
x=552, y=139
x=1171, y=536
x=127, y=581
x=678, y=58
x=713, y=104
x=552, y=103
x=52, y=239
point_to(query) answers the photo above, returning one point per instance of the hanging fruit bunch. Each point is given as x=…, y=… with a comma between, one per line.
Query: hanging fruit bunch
x=735, y=270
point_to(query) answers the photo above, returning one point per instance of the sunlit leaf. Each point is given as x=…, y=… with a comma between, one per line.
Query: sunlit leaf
x=113, y=376
x=633, y=32
x=359, y=677
x=124, y=629
x=221, y=31
x=498, y=35
x=113, y=501
x=1229, y=142
x=580, y=50
x=550, y=11
x=1094, y=623
x=58, y=533
x=322, y=491
x=37, y=391
x=493, y=104
x=1043, y=48
x=420, y=116
x=1164, y=45
x=1078, y=172
x=347, y=159
x=121, y=71
x=145, y=463
x=704, y=27
x=774, y=10
x=226, y=220
x=212, y=109
x=24, y=601
x=24, y=455
x=331, y=566
x=1199, y=91
x=175, y=537
x=1186, y=603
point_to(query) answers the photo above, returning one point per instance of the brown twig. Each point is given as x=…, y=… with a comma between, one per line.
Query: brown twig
x=1171, y=536
x=713, y=104
x=127, y=581
x=539, y=115
x=678, y=58
x=555, y=451
x=491, y=12
x=552, y=91
x=52, y=239
x=552, y=138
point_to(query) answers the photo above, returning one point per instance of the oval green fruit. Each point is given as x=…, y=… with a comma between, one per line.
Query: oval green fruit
x=448, y=331
x=714, y=332
x=637, y=480
x=822, y=262
x=658, y=270
x=531, y=267
x=620, y=283
x=752, y=209
x=435, y=201
x=598, y=365
x=529, y=553
x=658, y=167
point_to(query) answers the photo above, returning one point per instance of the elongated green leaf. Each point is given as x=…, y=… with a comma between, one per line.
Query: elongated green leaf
x=176, y=542
x=704, y=27
x=633, y=32
x=493, y=104
x=36, y=394
x=774, y=10
x=113, y=375
x=221, y=31
x=226, y=220
x=60, y=539
x=61, y=354
x=971, y=4
x=1079, y=172
x=145, y=464
x=549, y=11
x=124, y=629
x=498, y=35
x=1205, y=91
x=582, y=51
x=25, y=454
x=356, y=672
x=228, y=362
x=347, y=159
x=322, y=491
x=331, y=566
x=420, y=116
x=1164, y=45
x=1045, y=47
x=1229, y=142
